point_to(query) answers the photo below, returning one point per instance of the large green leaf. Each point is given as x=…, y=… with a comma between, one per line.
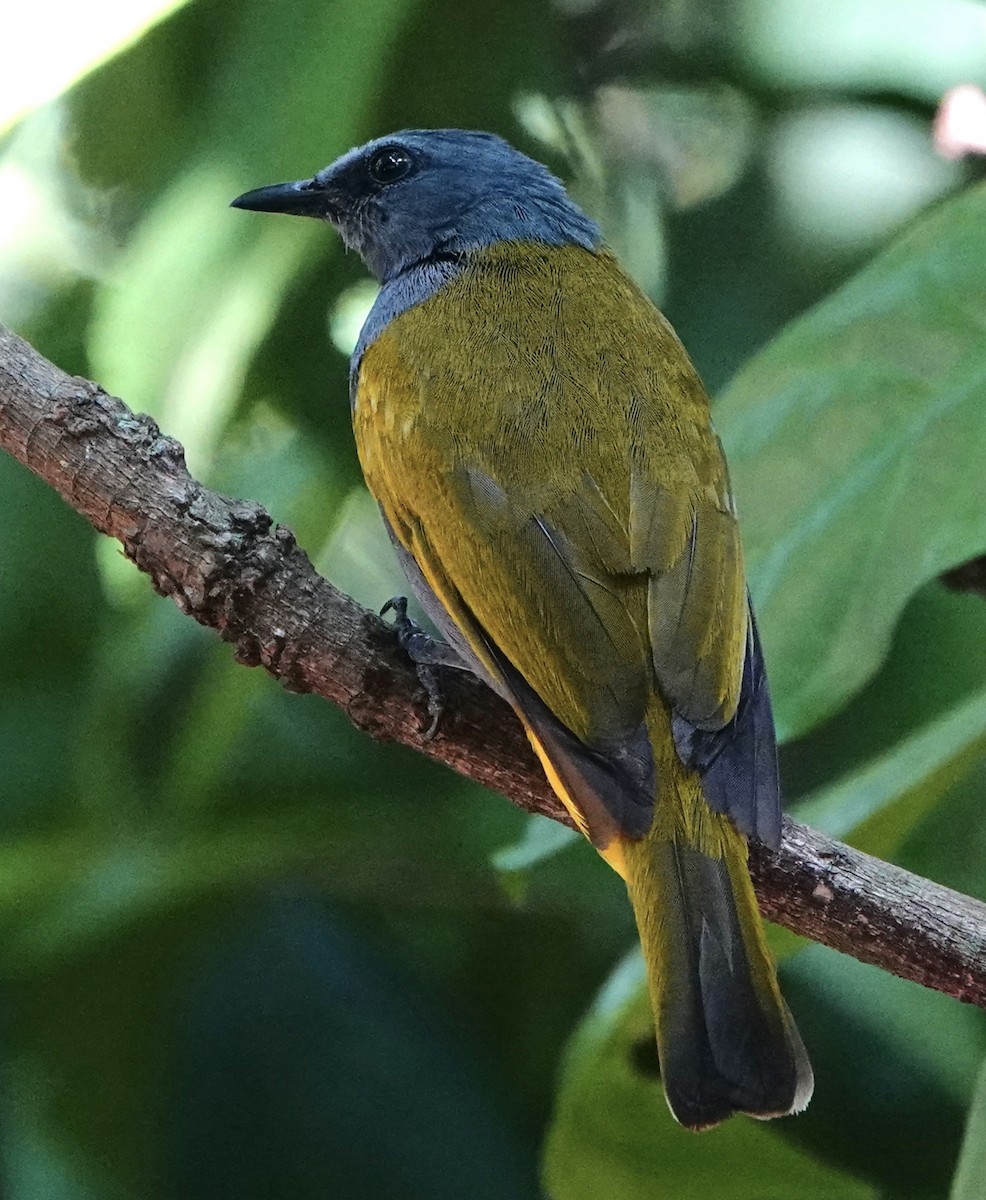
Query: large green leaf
x=895, y=1065
x=969, y=1182
x=614, y=1137
x=879, y=803
x=857, y=444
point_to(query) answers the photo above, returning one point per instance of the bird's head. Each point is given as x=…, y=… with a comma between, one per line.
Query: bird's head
x=424, y=195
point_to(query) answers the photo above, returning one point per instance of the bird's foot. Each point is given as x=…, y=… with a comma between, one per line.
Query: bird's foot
x=427, y=653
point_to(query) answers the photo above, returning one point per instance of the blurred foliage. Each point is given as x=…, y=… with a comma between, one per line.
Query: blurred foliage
x=247, y=953
x=844, y=533
x=611, y=1124
x=971, y=1171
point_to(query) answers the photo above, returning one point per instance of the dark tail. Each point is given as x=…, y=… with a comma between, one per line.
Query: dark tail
x=726, y=1040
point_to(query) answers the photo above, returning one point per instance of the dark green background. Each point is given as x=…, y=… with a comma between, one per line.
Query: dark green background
x=247, y=953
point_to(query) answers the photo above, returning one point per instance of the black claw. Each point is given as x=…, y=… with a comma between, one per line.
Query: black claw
x=429, y=679
x=409, y=637
x=396, y=605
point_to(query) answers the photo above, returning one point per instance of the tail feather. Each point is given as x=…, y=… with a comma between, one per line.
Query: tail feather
x=726, y=1040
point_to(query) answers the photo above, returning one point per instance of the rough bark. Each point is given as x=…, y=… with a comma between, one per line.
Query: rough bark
x=229, y=565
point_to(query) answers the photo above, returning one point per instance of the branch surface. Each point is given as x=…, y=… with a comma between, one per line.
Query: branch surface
x=228, y=564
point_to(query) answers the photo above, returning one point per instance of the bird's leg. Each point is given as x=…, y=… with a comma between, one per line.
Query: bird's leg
x=427, y=654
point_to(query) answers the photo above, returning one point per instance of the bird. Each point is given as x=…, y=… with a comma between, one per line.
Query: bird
x=542, y=452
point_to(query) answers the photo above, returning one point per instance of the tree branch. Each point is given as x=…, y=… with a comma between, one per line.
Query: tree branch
x=227, y=564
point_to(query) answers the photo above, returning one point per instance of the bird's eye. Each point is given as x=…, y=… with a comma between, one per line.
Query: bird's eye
x=390, y=164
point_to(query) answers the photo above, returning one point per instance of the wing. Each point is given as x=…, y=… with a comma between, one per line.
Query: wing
x=608, y=790
x=738, y=761
x=704, y=640
x=563, y=495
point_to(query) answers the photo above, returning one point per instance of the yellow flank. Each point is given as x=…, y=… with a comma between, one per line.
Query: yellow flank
x=612, y=852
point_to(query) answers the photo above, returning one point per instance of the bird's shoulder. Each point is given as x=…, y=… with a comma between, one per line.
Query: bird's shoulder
x=530, y=343
x=546, y=370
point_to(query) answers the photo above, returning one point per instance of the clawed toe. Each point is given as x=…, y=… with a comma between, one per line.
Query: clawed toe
x=417, y=645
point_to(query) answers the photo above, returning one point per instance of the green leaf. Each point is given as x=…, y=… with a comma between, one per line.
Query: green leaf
x=881, y=801
x=856, y=443
x=358, y=556
x=209, y=289
x=613, y=1135
x=541, y=839
x=49, y=604
x=970, y=1174
x=895, y=1065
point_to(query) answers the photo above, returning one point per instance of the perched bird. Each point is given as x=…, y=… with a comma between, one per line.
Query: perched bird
x=542, y=452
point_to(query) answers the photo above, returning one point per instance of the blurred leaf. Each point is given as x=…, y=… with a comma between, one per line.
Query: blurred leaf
x=359, y=557
x=914, y=47
x=210, y=289
x=485, y=54
x=970, y=1174
x=266, y=1053
x=49, y=604
x=352, y=1070
x=35, y=1163
x=613, y=1135
x=42, y=66
x=881, y=801
x=542, y=839
x=695, y=141
x=856, y=443
x=132, y=124
x=891, y=1058
x=937, y=662
x=949, y=843
x=63, y=897
x=845, y=177
x=45, y=627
